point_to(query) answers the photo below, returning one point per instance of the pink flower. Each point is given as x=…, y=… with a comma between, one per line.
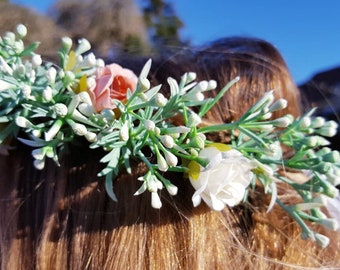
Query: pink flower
x=112, y=82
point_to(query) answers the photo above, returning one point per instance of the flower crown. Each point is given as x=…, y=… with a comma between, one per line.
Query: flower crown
x=46, y=106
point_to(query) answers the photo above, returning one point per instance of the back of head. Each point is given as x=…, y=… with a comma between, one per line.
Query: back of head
x=61, y=218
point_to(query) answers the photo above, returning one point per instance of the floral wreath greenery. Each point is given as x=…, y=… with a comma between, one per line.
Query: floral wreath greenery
x=122, y=114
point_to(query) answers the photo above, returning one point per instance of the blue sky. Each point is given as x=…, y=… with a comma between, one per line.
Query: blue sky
x=306, y=32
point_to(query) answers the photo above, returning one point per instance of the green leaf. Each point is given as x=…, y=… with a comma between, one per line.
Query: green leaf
x=109, y=187
x=31, y=48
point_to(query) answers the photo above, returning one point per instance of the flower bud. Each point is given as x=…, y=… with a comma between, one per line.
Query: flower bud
x=69, y=77
x=39, y=164
x=283, y=121
x=332, y=157
x=51, y=74
x=26, y=91
x=91, y=136
x=21, y=30
x=124, y=132
x=79, y=129
x=155, y=200
x=9, y=38
x=172, y=189
x=178, y=129
x=160, y=100
x=23, y=122
x=157, y=131
x=194, y=120
x=322, y=240
x=86, y=109
x=280, y=104
x=318, y=122
x=36, y=60
x=19, y=46
x=191, y=76
x=47, y=94
x=66, y=43
x=305, y=122
x=60, y=109
x=39, y=153
x=145, y=84
x=212, y=84
x=83, y=46
x=149, y=125
x=329, y=223
x=90, y=60
x=170, y=158
x=167, y=141
x=162, y=164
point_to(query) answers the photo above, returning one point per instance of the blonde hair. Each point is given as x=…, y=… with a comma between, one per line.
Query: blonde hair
x=62, y=218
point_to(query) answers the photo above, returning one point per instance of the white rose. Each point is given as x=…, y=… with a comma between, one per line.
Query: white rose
x=224, y=180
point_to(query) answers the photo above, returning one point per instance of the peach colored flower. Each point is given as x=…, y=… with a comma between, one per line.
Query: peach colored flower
x=112, y=82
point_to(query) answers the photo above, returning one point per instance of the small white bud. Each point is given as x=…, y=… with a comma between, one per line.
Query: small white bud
x=160, y=100
x=212, y=84
x=47, y=94
x=69, y=77
x=155, y=200
x=145, y=83
x=322, y=240
x=143, y=97
x=191, y=76
x=170, y=158
x=66, y=43
x=124, y=132
x=318, y=122
x=60, y=109
x=178, y=129
x=39, y=153
x=86, y=109
x=149, y=125
x=51, y=74
x=83, y=46
x=79, y=129
x=19, y=46
x=36, y=133
x=23, y=122
x=167, y=141
x=100, y=62
x=280, y=104
x=162, y=164
x=172, y=189
x=157, y=131
x=283, y=121
x=329, y=223
x=91, y=82
x=194, y=120
x=21, y=30
x=26, y=91
x=91, y=136
x=305, y=122
x=9, y=38
x=90, y=60
x=85, y=97
x=36, y=60
x=20, y=70
x=39, y=164
x=202, y=86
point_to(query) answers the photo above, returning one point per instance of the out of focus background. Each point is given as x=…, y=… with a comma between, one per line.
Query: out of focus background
x=305, y=32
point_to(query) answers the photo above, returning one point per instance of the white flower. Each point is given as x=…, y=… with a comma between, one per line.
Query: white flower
x=224, y=180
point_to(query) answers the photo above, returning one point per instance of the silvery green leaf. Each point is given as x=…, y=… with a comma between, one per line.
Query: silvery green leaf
x=35, y=143
x=109, y=187
x=146, y=69
x=173, y=86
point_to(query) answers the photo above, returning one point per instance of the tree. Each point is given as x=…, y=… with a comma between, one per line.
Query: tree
x=163, y=24
x=108, y=24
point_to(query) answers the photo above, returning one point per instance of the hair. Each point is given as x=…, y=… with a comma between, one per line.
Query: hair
x=62, y=218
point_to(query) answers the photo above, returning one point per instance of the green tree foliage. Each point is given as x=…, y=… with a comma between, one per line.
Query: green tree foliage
x=163, y=24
